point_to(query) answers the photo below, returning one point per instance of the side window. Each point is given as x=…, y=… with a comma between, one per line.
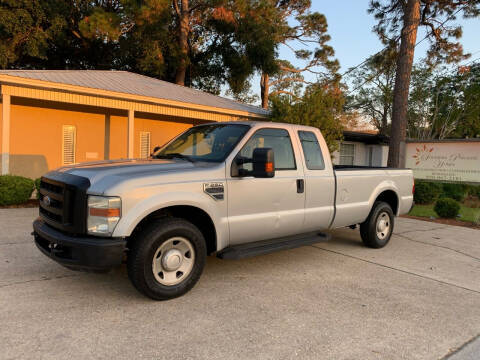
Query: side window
x=278, y=140
x=311, y=150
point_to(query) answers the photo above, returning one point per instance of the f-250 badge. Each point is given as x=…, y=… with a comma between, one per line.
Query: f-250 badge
x=215, y=190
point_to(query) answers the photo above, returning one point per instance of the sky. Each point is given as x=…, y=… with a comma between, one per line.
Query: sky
x=350, y=28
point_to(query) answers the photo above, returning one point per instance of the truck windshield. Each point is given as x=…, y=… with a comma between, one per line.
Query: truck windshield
x=211, y=143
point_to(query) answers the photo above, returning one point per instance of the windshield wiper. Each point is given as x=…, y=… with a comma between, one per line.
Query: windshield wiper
x=175, y=155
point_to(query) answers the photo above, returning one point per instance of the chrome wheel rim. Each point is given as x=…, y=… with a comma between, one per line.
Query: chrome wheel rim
x=383, y=225
x=173, y=261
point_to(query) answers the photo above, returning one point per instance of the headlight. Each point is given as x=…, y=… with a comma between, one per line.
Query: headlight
x=103, y=214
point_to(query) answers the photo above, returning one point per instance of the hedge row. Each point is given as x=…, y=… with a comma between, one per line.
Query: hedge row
x=428, y=192
x=15, y=190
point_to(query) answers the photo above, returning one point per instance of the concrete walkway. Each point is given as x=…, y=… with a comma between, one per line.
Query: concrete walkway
x=418, y=298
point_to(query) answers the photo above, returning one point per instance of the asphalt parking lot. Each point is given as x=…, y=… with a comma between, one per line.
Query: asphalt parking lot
x=418, y=298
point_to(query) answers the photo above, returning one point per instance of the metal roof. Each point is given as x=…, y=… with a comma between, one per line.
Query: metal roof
x=134, y=84
x=365, y=137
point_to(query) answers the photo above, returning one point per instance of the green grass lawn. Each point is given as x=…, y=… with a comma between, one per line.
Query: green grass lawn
x=466, y=213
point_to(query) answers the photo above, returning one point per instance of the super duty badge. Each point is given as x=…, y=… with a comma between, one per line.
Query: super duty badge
x=215, y=190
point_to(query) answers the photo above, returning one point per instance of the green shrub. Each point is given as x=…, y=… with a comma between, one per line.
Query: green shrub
x=426, y=192
x=473, y=190
x=454, y=191
x=37, y=187
x=15, y=189
x=447, y=208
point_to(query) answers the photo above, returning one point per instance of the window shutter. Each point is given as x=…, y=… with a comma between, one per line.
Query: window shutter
x=144, y=144
x=68, y=145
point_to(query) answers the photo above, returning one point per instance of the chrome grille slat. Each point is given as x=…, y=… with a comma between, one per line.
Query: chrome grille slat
x=53, y=210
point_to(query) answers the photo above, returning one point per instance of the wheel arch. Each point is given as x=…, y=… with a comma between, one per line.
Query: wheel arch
x=193, y=214
x=389, y=196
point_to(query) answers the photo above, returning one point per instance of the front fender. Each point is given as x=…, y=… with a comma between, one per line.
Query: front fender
x=215, y=209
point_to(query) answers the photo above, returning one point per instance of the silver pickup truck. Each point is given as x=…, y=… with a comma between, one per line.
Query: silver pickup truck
x=233, y=189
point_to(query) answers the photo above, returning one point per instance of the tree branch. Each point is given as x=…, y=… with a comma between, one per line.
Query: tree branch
x=284, y=92
x=292, y=79
x=175, y=6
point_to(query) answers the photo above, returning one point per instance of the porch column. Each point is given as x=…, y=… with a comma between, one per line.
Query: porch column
x=130, y=137
x=106, y=140
x=5, y=133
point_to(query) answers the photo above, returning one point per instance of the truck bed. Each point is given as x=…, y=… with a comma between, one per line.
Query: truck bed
x=358, y=186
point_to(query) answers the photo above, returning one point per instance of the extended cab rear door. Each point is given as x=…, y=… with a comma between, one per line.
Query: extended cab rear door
x=267, y=208
x=319, y=180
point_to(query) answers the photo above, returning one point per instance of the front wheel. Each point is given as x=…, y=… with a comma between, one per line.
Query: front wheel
x=166, y=259
x=377, y=229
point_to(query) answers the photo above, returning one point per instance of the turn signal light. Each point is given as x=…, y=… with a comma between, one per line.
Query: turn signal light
x=269, y=166
x=104, y=212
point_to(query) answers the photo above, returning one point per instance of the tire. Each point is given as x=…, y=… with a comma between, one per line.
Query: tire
x=171, y=241
x=377, y=229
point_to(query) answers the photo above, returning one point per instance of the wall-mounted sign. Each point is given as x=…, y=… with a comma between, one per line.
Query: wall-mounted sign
x=444, y=161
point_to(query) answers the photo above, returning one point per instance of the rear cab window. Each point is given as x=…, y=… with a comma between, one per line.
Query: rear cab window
x=311, y=150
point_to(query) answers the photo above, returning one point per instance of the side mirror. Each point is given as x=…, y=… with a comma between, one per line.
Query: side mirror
x=263, y=163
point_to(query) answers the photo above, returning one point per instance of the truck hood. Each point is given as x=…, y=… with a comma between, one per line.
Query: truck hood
x=124, y=167
x=106, y=174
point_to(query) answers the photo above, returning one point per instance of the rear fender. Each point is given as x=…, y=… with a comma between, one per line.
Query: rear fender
x=383, y=186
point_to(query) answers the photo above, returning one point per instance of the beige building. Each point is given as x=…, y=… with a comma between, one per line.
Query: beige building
x=50, y=118
x=362, y=148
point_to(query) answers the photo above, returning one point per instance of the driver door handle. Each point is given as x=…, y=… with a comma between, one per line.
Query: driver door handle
x=300, y=186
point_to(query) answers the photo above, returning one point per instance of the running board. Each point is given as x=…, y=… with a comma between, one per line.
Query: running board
x=269, y=246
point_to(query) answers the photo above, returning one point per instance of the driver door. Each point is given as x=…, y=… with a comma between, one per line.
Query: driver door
x=266, y=208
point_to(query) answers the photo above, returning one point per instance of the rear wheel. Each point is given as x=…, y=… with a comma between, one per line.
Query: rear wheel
x=166, y=259
x=377, y=229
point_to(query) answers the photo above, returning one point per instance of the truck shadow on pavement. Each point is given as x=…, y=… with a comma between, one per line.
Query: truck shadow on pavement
x=219, y=274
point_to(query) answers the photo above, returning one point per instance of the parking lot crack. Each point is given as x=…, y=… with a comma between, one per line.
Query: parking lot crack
x=424, y=230
x=396, y=269
x=16, y=243
x=458, y=350
x=439, y=246
x=36, y=280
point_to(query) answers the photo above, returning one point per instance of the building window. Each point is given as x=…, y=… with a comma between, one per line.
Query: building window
x=347, y=154
x=144, y=144
x=68, y=144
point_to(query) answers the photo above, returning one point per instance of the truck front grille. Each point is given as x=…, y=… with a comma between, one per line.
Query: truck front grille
x=63, y=203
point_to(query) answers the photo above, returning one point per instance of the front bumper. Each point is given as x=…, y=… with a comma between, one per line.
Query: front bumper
x=78, y=253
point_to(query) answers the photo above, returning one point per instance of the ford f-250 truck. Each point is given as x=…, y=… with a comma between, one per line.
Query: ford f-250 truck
x=232, y=189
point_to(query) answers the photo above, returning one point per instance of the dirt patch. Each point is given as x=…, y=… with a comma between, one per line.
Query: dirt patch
x=445, y=221
x=472, y=202
x=29, y=204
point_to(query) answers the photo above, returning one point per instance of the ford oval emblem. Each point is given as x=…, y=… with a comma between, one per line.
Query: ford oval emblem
x=47, y=201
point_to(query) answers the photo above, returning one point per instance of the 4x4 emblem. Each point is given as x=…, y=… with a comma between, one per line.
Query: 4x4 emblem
x=215, y=190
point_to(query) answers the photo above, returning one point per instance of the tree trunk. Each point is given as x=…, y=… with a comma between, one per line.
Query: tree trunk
x=184, y=30
x=384, y=121
x=264, y=89
x=411, y=21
